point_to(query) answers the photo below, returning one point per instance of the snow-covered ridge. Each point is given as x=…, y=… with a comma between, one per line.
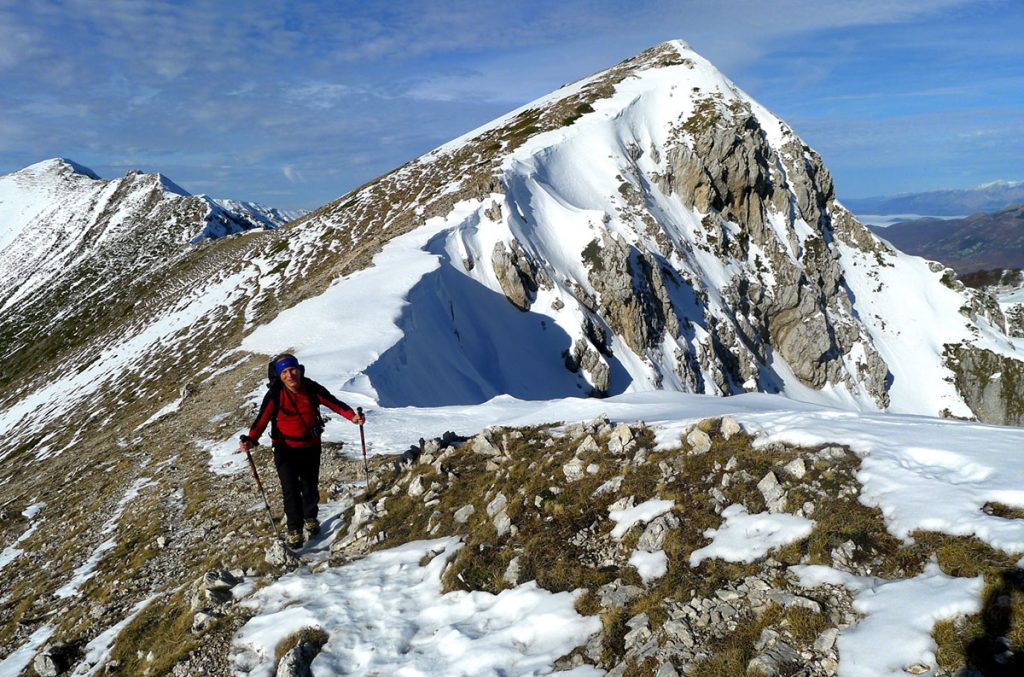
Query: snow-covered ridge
x=56, y=214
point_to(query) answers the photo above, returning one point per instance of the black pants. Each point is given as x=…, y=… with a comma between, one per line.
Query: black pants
x=299, y=471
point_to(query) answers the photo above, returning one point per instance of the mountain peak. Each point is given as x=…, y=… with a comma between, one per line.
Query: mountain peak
x=58, y=166
x=1001, y=183
x=171, y=186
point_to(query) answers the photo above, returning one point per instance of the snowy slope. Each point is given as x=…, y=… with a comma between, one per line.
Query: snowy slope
x=923, y=473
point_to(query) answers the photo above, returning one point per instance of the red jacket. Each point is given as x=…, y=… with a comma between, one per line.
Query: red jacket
x=295, y=417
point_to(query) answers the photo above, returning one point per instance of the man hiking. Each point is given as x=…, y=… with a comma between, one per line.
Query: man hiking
x=292, y=408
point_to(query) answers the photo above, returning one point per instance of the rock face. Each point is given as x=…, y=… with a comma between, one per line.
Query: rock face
x=991, y=383
x=729, y=171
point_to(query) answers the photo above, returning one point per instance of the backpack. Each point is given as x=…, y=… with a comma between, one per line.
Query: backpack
x=276, y=386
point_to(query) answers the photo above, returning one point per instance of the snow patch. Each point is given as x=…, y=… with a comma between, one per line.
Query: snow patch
x=645, y=512
x=650, y=565
x=744, y=537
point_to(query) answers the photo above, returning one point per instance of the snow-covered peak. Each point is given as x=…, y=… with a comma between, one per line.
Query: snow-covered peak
x=1001, y=183
x=168, y=185
x=268, y=217
x=654, y=227
x=56, y=167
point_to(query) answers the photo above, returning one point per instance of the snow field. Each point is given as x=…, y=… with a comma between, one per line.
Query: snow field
x=386, y=614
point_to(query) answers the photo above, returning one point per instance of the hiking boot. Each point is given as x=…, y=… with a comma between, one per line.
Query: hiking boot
x=312, y=526
x=294, y=538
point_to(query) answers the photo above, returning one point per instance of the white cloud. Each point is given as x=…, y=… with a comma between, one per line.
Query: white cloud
x=292, y=174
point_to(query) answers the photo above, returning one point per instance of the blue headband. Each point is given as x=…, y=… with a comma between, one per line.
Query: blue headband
x=281, y=365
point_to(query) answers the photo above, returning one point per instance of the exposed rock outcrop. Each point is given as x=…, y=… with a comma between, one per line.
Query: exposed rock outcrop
x=990, y=383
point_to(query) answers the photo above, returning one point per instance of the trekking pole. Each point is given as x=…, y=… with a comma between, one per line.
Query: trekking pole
x=259, y=485
x=362, y=439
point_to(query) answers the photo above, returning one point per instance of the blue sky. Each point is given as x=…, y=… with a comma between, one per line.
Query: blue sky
x=294, y=104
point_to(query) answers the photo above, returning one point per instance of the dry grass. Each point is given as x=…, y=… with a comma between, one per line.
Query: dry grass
x=312, y=635
x=163, y=628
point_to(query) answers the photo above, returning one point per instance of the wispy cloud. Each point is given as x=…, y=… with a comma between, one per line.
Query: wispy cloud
x=292, y=174
x=320, y=95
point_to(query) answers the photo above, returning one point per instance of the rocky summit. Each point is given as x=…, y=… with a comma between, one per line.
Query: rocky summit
x=643, y=398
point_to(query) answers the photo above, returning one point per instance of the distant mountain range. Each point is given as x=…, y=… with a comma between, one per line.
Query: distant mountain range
x=58, y=219
x=982, y=241
x=988, y=197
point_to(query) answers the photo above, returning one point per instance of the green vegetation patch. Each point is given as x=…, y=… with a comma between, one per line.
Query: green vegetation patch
x=592, y=256
x=705, y=117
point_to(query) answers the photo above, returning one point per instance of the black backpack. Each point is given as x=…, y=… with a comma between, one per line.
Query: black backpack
x=275, y=385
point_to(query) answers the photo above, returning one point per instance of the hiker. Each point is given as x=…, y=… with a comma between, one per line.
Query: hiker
x=292, y=408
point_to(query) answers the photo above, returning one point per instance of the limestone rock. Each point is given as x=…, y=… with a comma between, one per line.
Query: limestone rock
x=573, y=470
x=780, y=659
x=774, y=495
x=729, y=427
x=795, y=468
x=653, y=537
x=54, y=659
x=666, y=670
x=617, y=594
x=609, y=487
x=463, y=514
x=517, y=274
x=502, y=523
x=277, y=555
x=698, y=441
x=511, y=575
x=482, y=444
x=826, y=640
x=296, y=662
x=588, y=444
x=621, y=440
